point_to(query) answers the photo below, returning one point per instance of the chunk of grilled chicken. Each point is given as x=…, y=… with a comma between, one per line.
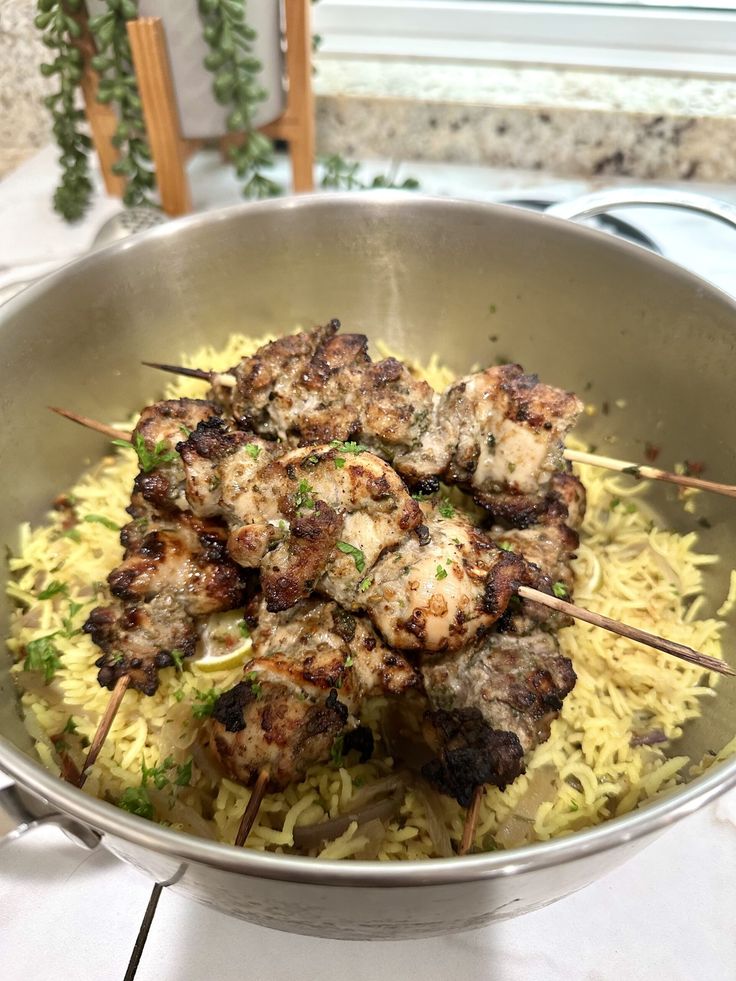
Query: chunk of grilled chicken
x=161, y=427
x=319, y=386
x=314, y=517
x=497, y=433
x=175, y=566
x=549, y=545
x=139, y=640
x=312, y=668
x=509, y=431
x=187, y=560
x=438, y=592
x=493, y=703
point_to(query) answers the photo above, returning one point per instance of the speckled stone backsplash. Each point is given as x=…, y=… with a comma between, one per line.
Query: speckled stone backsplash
x=569, y=123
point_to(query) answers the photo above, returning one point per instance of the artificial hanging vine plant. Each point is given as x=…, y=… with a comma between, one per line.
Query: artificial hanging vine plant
x=118, y=85
x=235, y=85
x=59, y=32
x=235, y=72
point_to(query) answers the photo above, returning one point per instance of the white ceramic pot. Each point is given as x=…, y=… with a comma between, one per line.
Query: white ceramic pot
x=201, y=115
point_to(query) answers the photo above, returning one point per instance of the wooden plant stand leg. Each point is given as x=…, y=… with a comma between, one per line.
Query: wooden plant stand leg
x=102, y=118
x=300, y=104
x=168, y=148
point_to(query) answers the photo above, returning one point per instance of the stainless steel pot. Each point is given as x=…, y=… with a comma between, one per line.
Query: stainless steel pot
x=472, y=282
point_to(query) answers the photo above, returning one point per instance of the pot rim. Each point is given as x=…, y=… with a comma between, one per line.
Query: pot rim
x=109, y=819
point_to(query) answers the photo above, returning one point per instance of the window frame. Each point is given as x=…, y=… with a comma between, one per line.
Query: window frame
x=648, y=39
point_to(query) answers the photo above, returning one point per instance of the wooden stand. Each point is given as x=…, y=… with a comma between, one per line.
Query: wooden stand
x=169, y=148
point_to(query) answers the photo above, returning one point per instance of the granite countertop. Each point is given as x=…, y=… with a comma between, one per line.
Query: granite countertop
x=68, y=912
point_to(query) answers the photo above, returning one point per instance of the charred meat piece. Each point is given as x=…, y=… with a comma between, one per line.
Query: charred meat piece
x=160, y=428
x=497, y=433
x=517, y=683
x=510, y=430
x=318, y=386
x=139, y=640
x=470, y=753
x=187, y=561
x=438, y=592
x=314, y=518
x=313, y=666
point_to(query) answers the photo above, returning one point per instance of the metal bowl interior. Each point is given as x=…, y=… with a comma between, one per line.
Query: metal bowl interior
x=474, y=283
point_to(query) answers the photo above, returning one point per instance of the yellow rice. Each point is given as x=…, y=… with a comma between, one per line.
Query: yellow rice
x=586, y=772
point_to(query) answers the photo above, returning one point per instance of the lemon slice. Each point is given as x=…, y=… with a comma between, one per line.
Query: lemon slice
x=227, y=659
x=223, y=643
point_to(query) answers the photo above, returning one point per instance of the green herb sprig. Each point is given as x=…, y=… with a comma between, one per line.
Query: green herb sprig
x=43, y=655
x=148, y=459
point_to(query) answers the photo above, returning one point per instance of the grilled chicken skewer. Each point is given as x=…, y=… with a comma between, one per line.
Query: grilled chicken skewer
x=175, y=570
x=705, y=661
x=497, y=433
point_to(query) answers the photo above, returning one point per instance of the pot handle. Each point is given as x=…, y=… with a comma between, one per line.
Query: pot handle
x=21, y=812
x=601, y=201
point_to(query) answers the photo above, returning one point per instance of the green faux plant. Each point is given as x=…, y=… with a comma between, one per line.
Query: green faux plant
x=59, y=31
x=114, y=62
x=235, y=85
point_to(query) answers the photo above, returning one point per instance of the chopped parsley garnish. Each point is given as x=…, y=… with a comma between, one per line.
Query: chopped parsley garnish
x=304, y=496
x=70, y=726
x=179, y=694
x=440, y=573
x=53, y=589
x=365, y=584
x=185, y=430
x=42, y=655
x=244, y=629
x=313, y=459
x=156, y=773
x=184, y=774
x=349, y=661
x=336, y=752
x=206, y=706
x=348, y=447
x=347, y=549
x=71, y=533
x=100, y=519
x=68, y=621
x=178, y=658
x=446, y=509
x=615, y=503
x=511, y=466
x=255, y=687
x=253, y=450
x=421, y=496
x=135, y=800
x=560, y=590
x=339, y=462
x=148, y=459
x=506, y=546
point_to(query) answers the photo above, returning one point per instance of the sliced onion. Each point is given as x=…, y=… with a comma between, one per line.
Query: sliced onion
x=432, y=804
x=173, y=810
x=312, y=835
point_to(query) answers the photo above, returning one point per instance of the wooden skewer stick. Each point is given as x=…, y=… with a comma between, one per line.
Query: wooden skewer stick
x=121, y=686
x=704, y=661
x=98, y=427
x=251, y=811
x=471, y=820
x=223, y=377
x=574, y=456
x=649, y=473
